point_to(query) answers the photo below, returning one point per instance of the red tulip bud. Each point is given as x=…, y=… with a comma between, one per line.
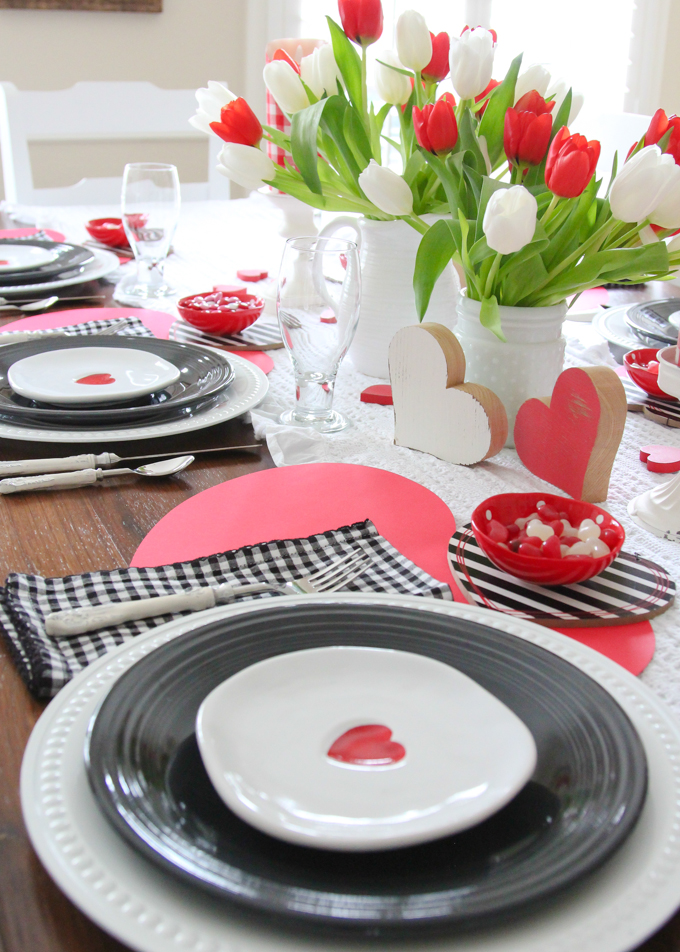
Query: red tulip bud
x=485, y=92
x=362, y=20
x=658, y=128
x=435, y=125
x=238, y=123
x=526, y=136
x=534, y=102
x=570, y=164
x=438, y=67
x=287, y=58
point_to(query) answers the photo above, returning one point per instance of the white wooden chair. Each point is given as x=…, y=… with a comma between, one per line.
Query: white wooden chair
x=95, y=111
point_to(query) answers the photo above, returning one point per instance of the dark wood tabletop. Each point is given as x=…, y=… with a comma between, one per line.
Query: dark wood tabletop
x=81, y=530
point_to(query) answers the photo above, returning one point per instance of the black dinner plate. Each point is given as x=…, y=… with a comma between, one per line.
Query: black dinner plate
x=581, y=803
x=649, y=321
x=71, y=257
x=203, y=376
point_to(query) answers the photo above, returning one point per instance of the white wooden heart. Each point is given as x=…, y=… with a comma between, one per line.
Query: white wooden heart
x=434, y=410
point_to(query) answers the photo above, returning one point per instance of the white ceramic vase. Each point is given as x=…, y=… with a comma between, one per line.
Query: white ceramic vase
x=387, y=251
x=528, y=365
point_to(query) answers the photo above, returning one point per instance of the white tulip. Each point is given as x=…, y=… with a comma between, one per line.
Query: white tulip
x=387, y=190
x=471, y=59
x=246, y=165
x=414, y=44
x=558, y=90
x=535, y=77
x=510, y=219
x=393, y=87
x=210, y=104
x=667, y=212
x=284, y=84
x=640, y=185
x=320, y=72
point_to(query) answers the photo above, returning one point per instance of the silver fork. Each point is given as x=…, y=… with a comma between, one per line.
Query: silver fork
x=77, y=621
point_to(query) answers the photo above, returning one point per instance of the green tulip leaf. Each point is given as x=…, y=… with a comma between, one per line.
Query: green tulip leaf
x=437, y=247
x=490, y=316
x=493, y=120
x=521, y=282
x=348, y=60
x=304, y=128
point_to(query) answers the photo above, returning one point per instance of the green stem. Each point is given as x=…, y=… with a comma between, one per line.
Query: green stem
x=364, y=90
x=593, y=242
x=550, y=209
x=415, y=221
x=406, y=140
x=420, y=101
x=492, y=275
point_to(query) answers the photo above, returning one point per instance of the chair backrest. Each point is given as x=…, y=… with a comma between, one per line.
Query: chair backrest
x=95, y=111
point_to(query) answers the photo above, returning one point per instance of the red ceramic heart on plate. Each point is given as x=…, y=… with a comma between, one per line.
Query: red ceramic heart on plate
x=369, y=745
x=97, y=380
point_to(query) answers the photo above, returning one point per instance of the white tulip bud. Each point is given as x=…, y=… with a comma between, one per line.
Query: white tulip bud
x=246, y=165
x=387, y=190
x=471, y=59
x=393, y=87
x=320, y=72
x=284, y=84
x=210, y=104
x=535, y=77
x=667, y=212
x=414, y=44
x=640, y=185
x=558, y=90
x=510, y=219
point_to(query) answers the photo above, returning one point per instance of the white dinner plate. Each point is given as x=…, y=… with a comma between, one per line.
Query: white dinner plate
x=352, y=748
x=612, y=910
x=24, y=257
x=610, y=322
x=104, y=263
x=90, y=375
x=248, y=388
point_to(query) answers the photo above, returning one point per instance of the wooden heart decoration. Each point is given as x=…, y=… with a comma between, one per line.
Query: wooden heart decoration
x=434, y=410
x=571, y=438
x=367, y=746
x=661, y=459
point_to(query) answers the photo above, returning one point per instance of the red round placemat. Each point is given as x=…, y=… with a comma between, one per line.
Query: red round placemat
x=27, y=232
x=297, y=501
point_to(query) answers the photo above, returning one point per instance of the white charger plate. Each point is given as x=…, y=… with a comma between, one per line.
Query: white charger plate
x=104, y=263
x=24, y=257
x=86, y=375
x=437, y=753
x=248, y=388
x=613, y=910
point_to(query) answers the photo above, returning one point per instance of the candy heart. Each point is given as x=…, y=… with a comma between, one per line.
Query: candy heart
x=571, y=438
x=97, y=379
x=661, y=459
x=368, y=746
x=378, y=393
x=434, y=411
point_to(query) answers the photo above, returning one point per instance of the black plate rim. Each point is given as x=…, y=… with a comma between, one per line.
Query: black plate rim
x=65, y=262
x=632, y=320
x=284, y=916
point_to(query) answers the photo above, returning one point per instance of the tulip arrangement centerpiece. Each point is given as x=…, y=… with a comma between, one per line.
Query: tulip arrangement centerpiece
x=491, y=179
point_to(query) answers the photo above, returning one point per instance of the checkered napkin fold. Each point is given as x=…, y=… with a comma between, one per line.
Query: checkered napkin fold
x=132, y=327
x=47, y=663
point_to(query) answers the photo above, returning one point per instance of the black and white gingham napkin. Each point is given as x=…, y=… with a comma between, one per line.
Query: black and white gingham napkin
x=132, y=327
x=47, y=663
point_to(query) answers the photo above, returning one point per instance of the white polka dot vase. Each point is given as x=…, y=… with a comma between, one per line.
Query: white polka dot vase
x=528, y=365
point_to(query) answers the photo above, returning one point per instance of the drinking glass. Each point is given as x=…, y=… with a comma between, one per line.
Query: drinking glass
x=317, y=303
x=150, y=204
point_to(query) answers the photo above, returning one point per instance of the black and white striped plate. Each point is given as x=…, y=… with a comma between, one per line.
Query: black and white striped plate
x=262, y=335
x=666, y=412
x=631, y=589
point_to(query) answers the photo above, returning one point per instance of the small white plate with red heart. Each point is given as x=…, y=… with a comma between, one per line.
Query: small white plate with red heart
x=85, y=375
x=352, y=748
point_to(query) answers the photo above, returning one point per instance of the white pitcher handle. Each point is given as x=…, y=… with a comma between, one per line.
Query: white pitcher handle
x=343, y=221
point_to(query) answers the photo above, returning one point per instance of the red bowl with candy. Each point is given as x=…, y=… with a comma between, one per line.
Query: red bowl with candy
x=559, y=519
x=642, y=366
x=108, y=231
x=218, y=312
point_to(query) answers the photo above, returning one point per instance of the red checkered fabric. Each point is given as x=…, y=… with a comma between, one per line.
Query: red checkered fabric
x=278, y=120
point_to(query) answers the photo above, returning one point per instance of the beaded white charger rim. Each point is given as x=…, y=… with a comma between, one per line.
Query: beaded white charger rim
x=612, y=910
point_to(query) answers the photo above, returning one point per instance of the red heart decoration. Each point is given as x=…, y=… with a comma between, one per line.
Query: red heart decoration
x=97, y=379
x=661, y=459
x=367, y=746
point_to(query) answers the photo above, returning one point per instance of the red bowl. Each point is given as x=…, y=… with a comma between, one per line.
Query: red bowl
x=220, y=319
x=635, y=362
x=108, y=231
x=542, y=571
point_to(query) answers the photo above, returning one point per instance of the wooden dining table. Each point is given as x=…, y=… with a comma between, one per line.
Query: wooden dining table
x=72, y=531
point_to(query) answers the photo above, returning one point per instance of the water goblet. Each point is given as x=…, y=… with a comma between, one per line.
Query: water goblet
x=318, y=297
x=150, y=205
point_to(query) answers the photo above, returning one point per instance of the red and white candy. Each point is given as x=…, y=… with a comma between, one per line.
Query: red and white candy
x=548, y=533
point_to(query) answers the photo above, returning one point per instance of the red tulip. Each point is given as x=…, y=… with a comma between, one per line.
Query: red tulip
x=534, y=102
x=435, y=125
x=438, y=67
x=526, y=136
x=362, y=20
x=485, y=92
x=658, y=128
x=238, y=123
x=571, y=163
x=287, y=58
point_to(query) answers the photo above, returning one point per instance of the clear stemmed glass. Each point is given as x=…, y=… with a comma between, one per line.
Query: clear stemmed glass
x=317, y=303
x=150, y=203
